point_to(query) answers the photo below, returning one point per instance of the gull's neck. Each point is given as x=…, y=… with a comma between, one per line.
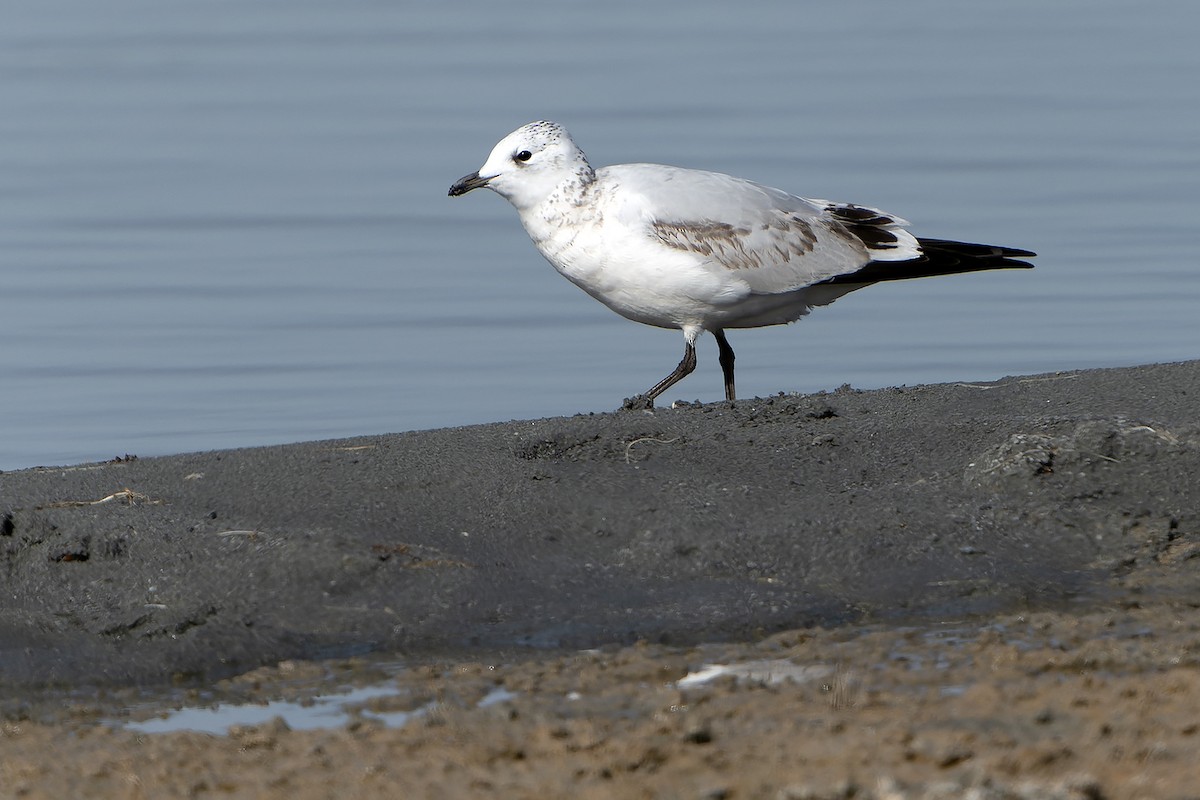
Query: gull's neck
x=569, y=195
x=565, y=207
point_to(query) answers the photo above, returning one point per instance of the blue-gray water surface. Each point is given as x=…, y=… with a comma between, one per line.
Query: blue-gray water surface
x=226, y=224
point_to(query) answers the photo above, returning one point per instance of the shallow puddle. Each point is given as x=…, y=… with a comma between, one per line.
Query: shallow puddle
x=321, y=712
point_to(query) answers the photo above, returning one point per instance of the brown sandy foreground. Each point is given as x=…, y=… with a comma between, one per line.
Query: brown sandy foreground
x=966, y=590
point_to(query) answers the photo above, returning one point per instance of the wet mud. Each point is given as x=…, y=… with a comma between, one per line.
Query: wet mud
x=979, y=587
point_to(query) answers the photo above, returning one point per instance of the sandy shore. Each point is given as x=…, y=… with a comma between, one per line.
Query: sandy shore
x=966, y=586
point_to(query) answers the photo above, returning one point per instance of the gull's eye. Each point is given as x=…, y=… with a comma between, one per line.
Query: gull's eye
x=524, y=155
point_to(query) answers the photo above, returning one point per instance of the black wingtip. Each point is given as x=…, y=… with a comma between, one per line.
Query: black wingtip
x=941, y=257
x=948, y=256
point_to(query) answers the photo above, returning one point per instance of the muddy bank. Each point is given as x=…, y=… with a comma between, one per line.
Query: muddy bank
x=1042, y=706
x=680, y=526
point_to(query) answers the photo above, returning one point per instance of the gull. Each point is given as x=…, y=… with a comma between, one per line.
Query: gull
x=703, y=251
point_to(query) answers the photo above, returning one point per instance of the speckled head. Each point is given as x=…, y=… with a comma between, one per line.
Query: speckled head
x=527, y=166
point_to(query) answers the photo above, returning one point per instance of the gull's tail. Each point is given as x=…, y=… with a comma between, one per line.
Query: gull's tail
x=940, y=257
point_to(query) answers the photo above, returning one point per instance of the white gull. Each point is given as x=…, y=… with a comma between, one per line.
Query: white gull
x=702, y=251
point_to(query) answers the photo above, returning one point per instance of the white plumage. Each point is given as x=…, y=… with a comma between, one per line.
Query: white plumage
x=702, y=251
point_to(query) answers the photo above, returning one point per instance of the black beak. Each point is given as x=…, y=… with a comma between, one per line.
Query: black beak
x=466, y=183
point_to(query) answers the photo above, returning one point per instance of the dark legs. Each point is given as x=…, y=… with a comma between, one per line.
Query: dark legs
x=686, y=367
x=726, y=359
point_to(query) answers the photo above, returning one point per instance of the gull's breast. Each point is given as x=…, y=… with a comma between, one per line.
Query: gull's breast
x=636, y=276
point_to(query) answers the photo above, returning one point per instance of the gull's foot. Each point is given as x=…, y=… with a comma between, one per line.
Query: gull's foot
x=639, y=402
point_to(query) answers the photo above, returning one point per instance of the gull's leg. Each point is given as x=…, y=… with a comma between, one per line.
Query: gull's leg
x=726, y=360
x=686, y=366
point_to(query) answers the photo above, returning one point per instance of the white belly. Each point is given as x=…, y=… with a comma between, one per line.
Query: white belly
x=654, y=286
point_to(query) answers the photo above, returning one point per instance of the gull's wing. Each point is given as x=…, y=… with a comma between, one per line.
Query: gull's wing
x=772, y=241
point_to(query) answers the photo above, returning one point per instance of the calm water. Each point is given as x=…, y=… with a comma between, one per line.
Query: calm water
x=225, y=224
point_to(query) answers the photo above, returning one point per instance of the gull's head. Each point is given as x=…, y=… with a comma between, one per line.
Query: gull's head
x=526, y=166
